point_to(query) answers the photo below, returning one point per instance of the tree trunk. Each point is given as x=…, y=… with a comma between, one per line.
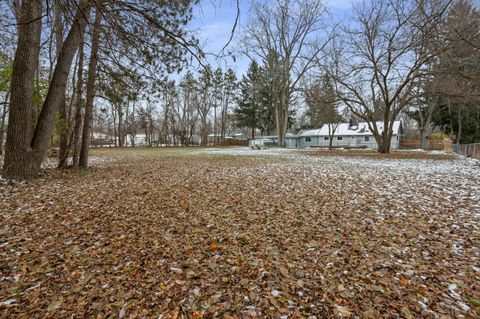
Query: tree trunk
x=114, y=115
x=385, y=141
x=18, y=150
x=281, y=112
x=2, y=122
x=426, y=130
x=58, y=84
x=121, y=130
x=25, y=152
x=78, y=108
x=92, y=74
x=378, y=139
x=222, y=122
x=282, y=121
x=204, y=131
x=330, y=137
x=384, y=146
x=459, y=130
x=62, y=126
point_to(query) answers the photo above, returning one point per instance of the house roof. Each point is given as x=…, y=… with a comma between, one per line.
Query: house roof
x=344, y=129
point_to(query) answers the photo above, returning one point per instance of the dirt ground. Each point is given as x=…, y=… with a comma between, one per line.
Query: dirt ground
x=237, y=233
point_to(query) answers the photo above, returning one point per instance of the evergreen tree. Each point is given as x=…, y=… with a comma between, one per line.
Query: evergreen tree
x=458, y=74
x=248, y=112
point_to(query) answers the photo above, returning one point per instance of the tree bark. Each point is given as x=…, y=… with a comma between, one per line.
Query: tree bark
x=62, y=105
x=92, y=73
x=18, y=149
x=78, y=107
x=2, y=122
x=331, y=133
x=58, y=84
x=426, y=130
x=114, y=115
x=385, y=141
x=25, y=152
x=204, y=130
x=282, y=117
x=121, y=130
x=215, y=125
x=459, y=130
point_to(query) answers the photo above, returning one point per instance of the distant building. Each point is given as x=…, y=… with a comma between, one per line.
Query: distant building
x=346, y=135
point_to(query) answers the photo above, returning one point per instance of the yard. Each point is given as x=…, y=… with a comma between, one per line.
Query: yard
x=235, y=233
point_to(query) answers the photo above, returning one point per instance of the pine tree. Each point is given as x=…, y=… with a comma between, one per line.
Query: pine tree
x=248, y=112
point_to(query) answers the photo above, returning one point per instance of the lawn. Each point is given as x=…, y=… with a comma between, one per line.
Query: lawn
x=235, y=233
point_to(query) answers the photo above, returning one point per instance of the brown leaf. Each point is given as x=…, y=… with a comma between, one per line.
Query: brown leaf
x=213, y=246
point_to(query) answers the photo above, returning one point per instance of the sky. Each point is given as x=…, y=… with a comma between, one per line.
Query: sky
x=213, y=21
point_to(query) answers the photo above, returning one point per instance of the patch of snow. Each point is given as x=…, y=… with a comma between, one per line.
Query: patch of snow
x=8, y=302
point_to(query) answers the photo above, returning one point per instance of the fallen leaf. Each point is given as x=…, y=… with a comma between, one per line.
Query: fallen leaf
x=343, y=311
x=404, y=281
x=213, y=246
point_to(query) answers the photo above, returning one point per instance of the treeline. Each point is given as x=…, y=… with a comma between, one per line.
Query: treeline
x=175, y=114
x=69, y=68
x=447, y=94
x=388, y=59
x=59, y=53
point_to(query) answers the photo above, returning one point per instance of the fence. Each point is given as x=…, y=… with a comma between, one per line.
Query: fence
x=468, y=150
x=233, y=142
x=415, y=144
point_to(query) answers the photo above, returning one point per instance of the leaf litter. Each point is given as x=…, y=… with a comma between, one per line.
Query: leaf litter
x=234, y=233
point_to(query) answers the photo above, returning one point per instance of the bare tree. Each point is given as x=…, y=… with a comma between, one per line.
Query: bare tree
x=385, y=47
x=205, y=104
x=78, y=105
x=62, y=125
x=185, y=111
x=323, y=108
x=90, y=95
x=285, y=35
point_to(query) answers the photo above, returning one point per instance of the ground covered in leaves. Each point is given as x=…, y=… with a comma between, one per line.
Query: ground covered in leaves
x=237, y=233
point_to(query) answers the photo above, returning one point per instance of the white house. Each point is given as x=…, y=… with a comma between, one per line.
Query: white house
x=348, y=135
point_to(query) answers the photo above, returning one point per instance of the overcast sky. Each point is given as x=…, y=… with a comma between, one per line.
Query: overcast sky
x=213, y=19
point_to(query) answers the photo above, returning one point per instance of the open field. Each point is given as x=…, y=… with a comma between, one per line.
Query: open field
x=235, y=233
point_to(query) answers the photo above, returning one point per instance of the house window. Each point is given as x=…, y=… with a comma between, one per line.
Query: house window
x=308, y=139
x=397, y=137
x=339, y=138
x=367, y=138
x=326, y=138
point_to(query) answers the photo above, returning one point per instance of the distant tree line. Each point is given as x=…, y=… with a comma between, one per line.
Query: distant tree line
x=69, y=68
x=62, y=49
